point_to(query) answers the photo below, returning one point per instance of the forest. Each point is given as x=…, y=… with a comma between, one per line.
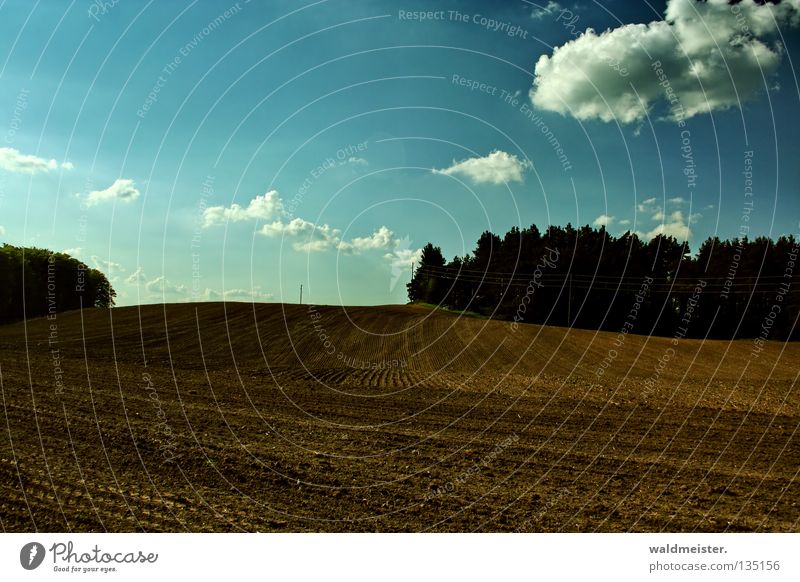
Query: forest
x=587, y=278
x=37, y=282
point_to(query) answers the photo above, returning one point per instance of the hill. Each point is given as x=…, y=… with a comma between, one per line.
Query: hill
x=235, y=416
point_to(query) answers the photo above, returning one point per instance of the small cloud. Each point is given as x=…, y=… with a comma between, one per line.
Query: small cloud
x=162, y=286
x=254, y=294
x=646, y=205
x=323, y=237
x=676, y=230
x=624, y=222
x=498, y=167
x=264, y=207
x=11, y=160
x=677, y=200
x=710, y=207
x=674, y=224
x=2, y=230
x=207, y=294
x=357, y=161
x=109, y=267
x=137, y=277
x=540, y=12
x=380, y=239
x=401, y=259
x=122, y=189
x=604, y=220
x=317, y=237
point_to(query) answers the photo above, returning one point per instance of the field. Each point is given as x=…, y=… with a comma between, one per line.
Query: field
x=270, y=417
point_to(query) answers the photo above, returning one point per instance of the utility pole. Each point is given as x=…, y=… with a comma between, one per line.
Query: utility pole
x=301, y=293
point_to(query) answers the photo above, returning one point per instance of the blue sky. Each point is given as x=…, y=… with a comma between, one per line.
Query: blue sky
x=210, y=150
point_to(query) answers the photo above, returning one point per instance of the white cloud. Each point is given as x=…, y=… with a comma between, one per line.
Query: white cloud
x=540, y=12
x=646, y=205
x=137, y=277
x=380, y=239
x=265, y=207
x=604, y=220
x=677, y=230
x=305, y=236
x=357, y=161
x=624, y=222
x=254, y=294
x=207, y=294
x=315, y=237
x=11, y=160
x=162, y=286
x=401, y=259
x=323, y=237
x=159, y=287
x=110, y=267
x=674, y=224
x=2, y=230
x=498, y=167
x=73, y=252
x=122, y=189
x=712, y=55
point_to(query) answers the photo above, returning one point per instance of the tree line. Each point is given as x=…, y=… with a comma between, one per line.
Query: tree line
x=587, y=278
x=37, y=282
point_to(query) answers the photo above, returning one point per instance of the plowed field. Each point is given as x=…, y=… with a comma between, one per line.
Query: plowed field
x=269, y=417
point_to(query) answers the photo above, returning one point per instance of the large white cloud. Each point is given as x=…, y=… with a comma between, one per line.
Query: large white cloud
x=12, y=160
x=712, y=55
x=122, y=189
x=265, y=207
x=498, y=167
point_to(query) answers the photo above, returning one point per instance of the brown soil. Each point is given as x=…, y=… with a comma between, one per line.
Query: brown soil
x=238, y=417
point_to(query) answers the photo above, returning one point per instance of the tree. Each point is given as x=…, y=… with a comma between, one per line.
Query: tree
x=428, y=284
x=598, y=278
x=36, y=282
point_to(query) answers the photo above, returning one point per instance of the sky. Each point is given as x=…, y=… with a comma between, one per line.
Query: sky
x=206, y=151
